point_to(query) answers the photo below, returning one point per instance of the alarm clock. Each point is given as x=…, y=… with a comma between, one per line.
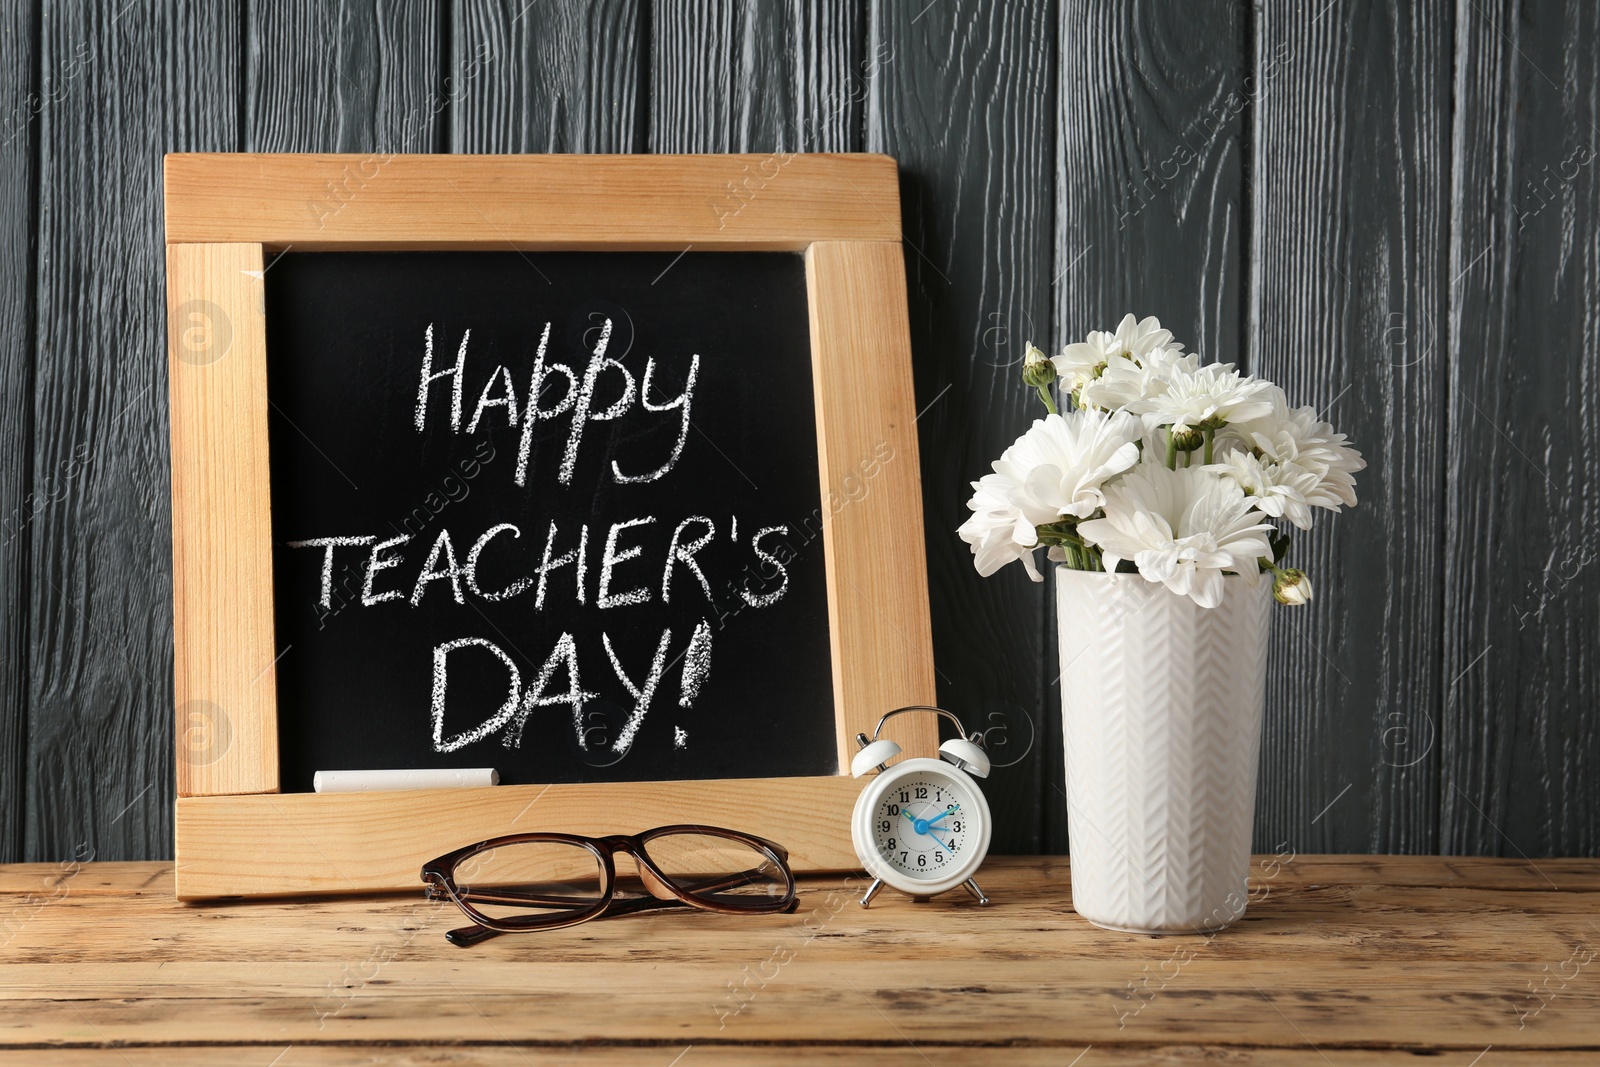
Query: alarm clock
x=921, y=826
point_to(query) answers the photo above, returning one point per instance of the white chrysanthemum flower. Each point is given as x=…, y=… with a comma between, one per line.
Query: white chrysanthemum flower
x=1125, y=380
x=1286, y=436
x=1281, y=490
x=1063, y=460
x=1133, y=340
x=1052, y=472
x=1079, y=364
x=1183, y=528
x=1195, y=395
x=997, y=530
x=1143, y=337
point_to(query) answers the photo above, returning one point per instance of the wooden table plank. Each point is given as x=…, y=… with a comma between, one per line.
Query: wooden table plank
x=901, y=1055
x=1027, y=1003
x=1426, y=953
x=1334, y=923
x=1482, y=872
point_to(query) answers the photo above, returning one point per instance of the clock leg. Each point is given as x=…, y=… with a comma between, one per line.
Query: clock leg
x=972, y=887
x=872, y=891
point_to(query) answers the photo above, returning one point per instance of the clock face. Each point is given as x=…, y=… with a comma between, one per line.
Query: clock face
x=923, y=826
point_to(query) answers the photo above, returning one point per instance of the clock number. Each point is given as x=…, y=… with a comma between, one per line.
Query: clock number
x=922, y=792
x=955, y=827
x=922, y=859
x=902, y=857
x=905, y=797
x=939, y=856
x=889, y=844
x=885, y=825
x=894, y=809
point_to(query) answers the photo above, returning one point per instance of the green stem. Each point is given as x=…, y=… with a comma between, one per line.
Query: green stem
x=1209, y=435
x=1049, y=402
x=1172, y=450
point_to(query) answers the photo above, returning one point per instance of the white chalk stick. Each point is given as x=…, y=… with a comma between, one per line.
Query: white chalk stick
x=373, y=781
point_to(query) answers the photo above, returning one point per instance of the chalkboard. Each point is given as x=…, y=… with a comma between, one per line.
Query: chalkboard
x=740, y=504
x=554, y=513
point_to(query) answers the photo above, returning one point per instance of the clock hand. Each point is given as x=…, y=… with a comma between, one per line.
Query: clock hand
x=944, y=846
x=951, y=810
x=922, y=826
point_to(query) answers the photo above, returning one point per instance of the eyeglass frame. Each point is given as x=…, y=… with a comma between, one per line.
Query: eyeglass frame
x=439, y=883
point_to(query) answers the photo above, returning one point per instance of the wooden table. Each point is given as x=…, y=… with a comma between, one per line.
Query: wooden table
x=1340, y=960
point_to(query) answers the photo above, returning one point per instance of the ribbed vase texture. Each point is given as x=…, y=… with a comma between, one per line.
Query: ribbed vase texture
x=1161, y=703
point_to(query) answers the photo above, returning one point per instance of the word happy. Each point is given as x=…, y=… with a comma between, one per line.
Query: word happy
x=577, y=402
x=557, y=568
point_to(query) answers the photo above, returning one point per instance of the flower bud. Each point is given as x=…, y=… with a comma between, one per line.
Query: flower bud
x=1292, y=587
x=1187, y=438
x=1037, y=369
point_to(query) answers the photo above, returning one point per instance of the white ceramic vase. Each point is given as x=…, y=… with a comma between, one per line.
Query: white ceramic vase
x=1161, y=703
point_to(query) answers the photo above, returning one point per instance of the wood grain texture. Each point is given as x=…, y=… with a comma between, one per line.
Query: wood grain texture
x=752, y=76
x=1521, y=734
x=1348, y=276
x=100, y=684
x=1459, y=600
x=20, y=100
x=901, y=1055
x=1431, y=957
x=964, y=97
x=331, y=843
x=343, y=76
x=224, y=650
x=880, y=632
x=550, y=202
x=1151, y=118
x=555, y=76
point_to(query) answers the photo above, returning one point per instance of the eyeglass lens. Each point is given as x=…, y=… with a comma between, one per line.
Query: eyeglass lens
x=531, y=879
x=718, y=870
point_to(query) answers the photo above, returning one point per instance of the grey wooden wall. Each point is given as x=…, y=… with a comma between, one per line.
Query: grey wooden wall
x=1392, y=209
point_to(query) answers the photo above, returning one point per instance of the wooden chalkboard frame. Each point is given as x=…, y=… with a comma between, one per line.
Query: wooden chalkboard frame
x=225, y=214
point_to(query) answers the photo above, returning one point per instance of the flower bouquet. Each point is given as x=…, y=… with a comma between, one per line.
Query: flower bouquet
x=1165, y=465
x=1164, y=493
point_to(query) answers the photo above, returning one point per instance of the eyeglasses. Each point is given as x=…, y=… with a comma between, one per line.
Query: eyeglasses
x=546, y=881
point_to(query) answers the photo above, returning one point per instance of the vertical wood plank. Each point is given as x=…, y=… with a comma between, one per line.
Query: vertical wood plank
x=223, y=646
x=19, y=102
x=343, y=76
x=964, y=96
x=752, y=76
x=1522, y=555
x=149, y=79
x=557, y=76
x=1349, y=189
x=1153, y=106
x=861, y=359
